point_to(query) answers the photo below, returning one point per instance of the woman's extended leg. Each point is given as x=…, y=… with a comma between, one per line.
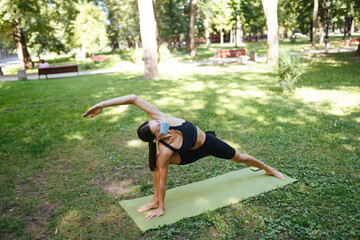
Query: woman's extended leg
x=251, y=161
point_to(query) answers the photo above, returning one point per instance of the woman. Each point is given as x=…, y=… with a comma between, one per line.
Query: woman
x=181, y=143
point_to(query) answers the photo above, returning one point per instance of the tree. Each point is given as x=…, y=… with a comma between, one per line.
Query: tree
x=90, y=30
x=191, y=42
x=314, y=22
x=172, y=19
x=122, y=22
x=222, y=17
x=13, y=13
x=270, y=9
x=254, y=19
x=148, y=38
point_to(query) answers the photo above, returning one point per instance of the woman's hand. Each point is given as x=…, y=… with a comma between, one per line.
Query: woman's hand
x=95, y=110
x=156, y=213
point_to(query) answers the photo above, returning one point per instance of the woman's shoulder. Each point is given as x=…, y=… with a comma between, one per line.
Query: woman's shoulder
x=173, y=121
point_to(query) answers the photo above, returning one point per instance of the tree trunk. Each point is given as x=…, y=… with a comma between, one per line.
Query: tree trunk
x=239, y=33
x=221, y=37
x=285, y=32
x=357, y=54
x=207, y=33
x=352, y=30
x=270, y=9
x=350, y=27
x=148, y=39
x=314, y=22
x=23, y=54
x=232, y=36
x=322, y=33
x=191, y=43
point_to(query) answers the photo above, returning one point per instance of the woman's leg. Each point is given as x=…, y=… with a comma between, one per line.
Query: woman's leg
x=251, y=161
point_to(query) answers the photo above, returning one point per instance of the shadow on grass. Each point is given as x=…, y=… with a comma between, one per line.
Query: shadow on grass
x=43, y=135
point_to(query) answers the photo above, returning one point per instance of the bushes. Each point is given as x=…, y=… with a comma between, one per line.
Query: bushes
x=137, y=55
x=288, y=71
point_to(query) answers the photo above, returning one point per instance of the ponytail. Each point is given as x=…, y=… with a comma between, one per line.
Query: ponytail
x=152, y=156
x=146, y=135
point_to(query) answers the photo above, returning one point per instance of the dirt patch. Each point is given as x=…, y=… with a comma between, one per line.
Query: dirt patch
x=36, y=224
x=119, y=188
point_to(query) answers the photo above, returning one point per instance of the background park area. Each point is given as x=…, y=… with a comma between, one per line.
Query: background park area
x=295, y=107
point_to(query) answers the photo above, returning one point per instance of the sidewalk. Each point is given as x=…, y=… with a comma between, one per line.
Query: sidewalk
x=120, y=67
x=166, y=65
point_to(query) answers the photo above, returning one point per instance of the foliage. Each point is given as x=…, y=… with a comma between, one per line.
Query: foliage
x=288, y=70
x=172, y=18
x=164, y=52
x=137, y=54
x=35, y=20
x=254, y=17
x=123, y=21
x=90, y=30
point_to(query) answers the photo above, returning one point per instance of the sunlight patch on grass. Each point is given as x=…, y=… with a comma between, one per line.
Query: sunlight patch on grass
x=134, y=143
x=70, y=222
x=357, y=119
x=27, y=139
x=289, y=120
x=195, y=87
x=74, y=136
x=115, y=112
x=349, y=147
x=249, y=94
x=166, y=100
x=340, y=102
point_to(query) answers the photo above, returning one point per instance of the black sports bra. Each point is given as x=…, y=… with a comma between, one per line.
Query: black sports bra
x=189, y=133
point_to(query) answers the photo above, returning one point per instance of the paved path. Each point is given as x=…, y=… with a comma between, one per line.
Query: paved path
x=120, y=67
x=166, y=65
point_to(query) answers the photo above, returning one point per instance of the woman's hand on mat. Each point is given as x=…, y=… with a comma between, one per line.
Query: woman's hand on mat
x=95, y=110
x=156, y=213
x=275, y=173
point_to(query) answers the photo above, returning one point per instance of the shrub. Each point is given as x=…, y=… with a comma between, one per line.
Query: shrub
x=289, y=70
x=164, y=52
x=137, y=55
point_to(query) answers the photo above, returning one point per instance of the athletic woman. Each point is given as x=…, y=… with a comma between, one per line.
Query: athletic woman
x=179, y=142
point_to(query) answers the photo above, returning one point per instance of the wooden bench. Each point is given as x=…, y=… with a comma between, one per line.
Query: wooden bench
x=230, y=53
x=57, y=69
x=98, y=58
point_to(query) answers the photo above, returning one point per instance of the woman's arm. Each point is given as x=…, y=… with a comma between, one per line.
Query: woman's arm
x=144, y=105
x=162, y=170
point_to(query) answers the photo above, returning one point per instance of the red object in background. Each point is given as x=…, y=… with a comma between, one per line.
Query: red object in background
x=230, y=53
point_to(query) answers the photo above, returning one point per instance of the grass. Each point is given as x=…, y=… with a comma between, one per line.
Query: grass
x=56, y=168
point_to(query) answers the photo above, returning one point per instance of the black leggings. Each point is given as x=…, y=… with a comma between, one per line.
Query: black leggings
x=211, y=147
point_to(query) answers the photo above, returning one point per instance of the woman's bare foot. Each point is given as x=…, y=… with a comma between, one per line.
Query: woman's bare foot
x=275, y=173
x=150, y=205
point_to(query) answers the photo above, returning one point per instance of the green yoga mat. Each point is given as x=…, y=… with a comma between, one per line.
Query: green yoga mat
x=196, y=198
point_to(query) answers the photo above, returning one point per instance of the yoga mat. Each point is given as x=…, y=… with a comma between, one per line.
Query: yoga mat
x=196, y=198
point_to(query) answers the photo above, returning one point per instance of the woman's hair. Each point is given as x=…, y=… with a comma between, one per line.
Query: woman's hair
x=146, y=135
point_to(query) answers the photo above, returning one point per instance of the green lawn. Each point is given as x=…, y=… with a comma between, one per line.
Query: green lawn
x=61, y=176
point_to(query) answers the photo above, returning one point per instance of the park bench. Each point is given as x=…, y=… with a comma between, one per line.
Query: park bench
x=230, y=53
x=355, y=40
x=57, y=69
x=98, y=58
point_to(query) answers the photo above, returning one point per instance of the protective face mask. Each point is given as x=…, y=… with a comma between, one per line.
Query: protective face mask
x=164, y=127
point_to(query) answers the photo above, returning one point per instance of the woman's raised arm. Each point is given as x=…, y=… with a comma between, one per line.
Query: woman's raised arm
x=144, y=105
